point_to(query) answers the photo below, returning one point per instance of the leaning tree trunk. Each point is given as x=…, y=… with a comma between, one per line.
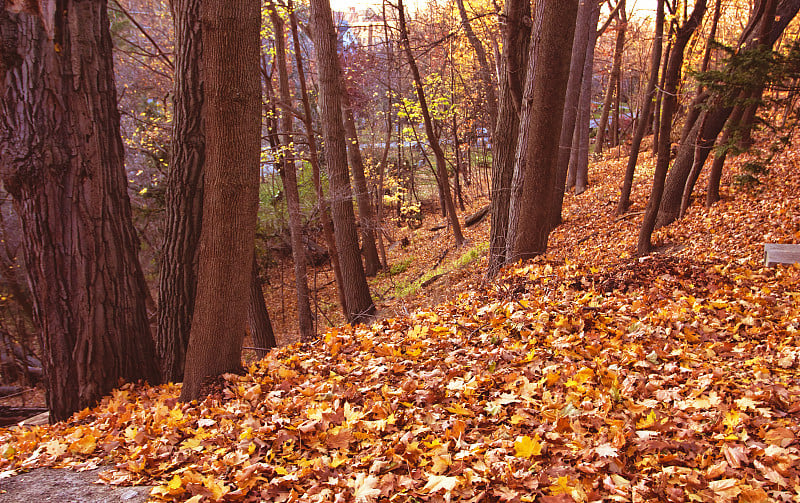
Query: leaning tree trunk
x=441, y=166
x=356, y=291
x=231, y=41
x=366, y=217
x=533, y=186
x=514, y=61
x=61, y=159
x=288, y=173
x=258, y=316
x=183, y=208
x=644, y=114
x=669, y=103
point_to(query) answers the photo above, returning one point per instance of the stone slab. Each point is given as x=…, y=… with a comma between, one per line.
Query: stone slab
x=775, y=253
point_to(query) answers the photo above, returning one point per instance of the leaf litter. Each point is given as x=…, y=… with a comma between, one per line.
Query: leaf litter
x=584, y=375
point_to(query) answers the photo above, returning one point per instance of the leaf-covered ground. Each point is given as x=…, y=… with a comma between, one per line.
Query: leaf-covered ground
x=585, y=375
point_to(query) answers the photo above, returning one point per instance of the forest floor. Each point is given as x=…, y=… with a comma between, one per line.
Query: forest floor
x=583, y=375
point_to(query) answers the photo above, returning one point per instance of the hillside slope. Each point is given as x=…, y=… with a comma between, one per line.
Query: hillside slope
x=584, y=375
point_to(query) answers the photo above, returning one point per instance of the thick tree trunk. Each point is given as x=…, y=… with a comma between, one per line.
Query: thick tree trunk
x=644, y=114
x=231, y=42
x=258, y=316
x=616, y=67
x=61, y=159
x=483, y=64
x=366, y=216
x=183, y=207
x=585, y=27
x=324, y=207
x=516, y=37
x=288, y=173
x=715, y=176
x=532, y=189
x=356, y=291
x=442, y=178
x=669, y=103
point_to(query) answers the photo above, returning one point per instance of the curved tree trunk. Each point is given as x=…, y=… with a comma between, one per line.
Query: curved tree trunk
x=669, y=103
x=360, y=308
x=288, y=173
x=532, y=189
x=579, y=158
x=231, y=42
x=644, y=114
x=183, y=208
x=514, y=61
x=61, y=159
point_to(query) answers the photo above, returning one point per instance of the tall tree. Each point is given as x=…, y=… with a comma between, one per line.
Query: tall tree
x=585, y=27
x=613, y=78
x=534, y=182
x=183, y=208
x=483, y=63
x=644, y=113
x=61, y=159
x=231, y=44
x=668, y=104
x=516, y=36
x=441, y=166
x=288, y=174
x=360, y=307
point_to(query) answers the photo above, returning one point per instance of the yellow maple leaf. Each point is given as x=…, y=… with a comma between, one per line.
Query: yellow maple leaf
x=175, y=484
x=562, y=486
x=85, y=445
x=525, y=446
x=459, y=409
x=647, y=421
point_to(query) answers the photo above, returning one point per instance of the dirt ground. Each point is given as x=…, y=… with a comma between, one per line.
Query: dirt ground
x=66, y=486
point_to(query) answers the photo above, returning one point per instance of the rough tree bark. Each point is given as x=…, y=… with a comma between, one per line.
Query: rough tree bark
x=356, y=291
x=644, y=114
x=183, y=207
x=532, y=188
x=288, y=174
x=61, y=159
x=668, y=104
x=258, y=316
x=441, y=166
x=231, y=42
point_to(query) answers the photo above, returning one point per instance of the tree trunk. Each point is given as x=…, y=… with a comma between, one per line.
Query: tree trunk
x=516, y=37
x=585, y=27
x=366, y=216
x=644, y=114
x=669, y=103
x=660, y=95
x=258, y=316
x=579, y=157
x=288, y=173
x=483, y=63
x=61, y=159
x=230, y=60
x=360, y=308
x=183, y=206
x=324, y=207
x=715, y=176
x=616, y=67
x=532, y=189
x=441, y=166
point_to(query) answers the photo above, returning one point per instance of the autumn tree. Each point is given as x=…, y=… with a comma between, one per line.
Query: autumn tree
x=61, y=158
x=534, y=179
x=231, y=41
x=360, y=307
x=668, y=105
